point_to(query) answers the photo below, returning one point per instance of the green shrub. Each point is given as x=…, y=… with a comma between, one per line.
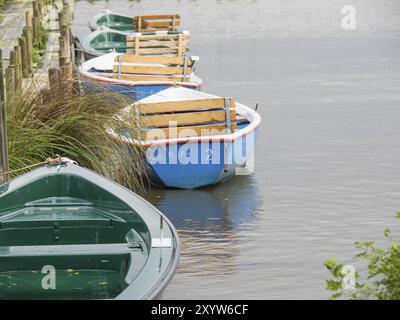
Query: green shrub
x=383, y=279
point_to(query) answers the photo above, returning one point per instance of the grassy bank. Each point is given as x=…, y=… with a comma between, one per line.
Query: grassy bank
x=43, y=123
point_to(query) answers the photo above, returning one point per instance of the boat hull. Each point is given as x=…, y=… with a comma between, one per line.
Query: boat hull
x=198, y=164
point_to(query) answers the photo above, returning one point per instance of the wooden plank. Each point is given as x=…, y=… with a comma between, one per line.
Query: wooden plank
x=126, y=58
x=158, y=51
x=187, y=118
x=158, y=36
x=158, y=17
x=155, y=29
x=179, y=106
x=157, y=23
x=174, y=52
x=132, y=77
x=157, y=43
x=187, y=131
x=150, y=69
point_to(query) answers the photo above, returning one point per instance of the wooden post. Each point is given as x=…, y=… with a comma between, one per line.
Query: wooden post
x=64, y=32
x=64, y=68
x=54, y=77
x=40, y=8
x=62, y=45
x=29, y=40
x=10, y=83
x=10, y=77
x=67, y=12
x=35, y=33
x=60, y=19
x=75, y=78
x=4, y=167
x=18, y=69
x=24, y=57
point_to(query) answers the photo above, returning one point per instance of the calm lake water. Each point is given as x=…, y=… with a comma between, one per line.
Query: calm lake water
x=327, y=166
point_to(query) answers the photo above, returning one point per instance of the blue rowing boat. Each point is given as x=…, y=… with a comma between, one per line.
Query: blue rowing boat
x=139, y=76
x=194, y=139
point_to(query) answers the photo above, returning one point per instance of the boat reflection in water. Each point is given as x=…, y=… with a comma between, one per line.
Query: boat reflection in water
x=208, y=221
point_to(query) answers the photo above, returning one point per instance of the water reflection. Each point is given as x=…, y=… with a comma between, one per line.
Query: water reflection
x=220, y=208
x=209, y=220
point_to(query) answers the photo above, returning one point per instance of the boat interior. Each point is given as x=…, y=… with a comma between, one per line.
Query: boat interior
x=203, y=117
x=87, y=234
x=146, y=68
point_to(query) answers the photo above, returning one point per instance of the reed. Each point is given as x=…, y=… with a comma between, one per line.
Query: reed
x=43, y=122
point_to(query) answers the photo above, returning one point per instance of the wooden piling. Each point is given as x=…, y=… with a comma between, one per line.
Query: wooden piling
x=4, y=166
x=38, y=21
x=24, y=57
x=27, y=33
x=64, y=33
x=54, y=77
x=18, y=69
x=10, y=82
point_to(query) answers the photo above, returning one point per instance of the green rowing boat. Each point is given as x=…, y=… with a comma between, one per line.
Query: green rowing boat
x=106, y=40
x=112, y=20
x=146, y=23
x=69, y=233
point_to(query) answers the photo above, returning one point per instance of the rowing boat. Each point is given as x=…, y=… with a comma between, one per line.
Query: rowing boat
x=69, y=233
x=139, y=76
x=194, y=139
x=127, y=23
x=105, y=40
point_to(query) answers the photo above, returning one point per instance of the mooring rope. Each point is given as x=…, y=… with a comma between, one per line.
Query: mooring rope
x=52, y=161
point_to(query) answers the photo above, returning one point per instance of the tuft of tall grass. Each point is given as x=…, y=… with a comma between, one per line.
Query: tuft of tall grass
x=43, y=122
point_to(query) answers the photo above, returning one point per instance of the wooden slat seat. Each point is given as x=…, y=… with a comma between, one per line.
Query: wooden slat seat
x=158, y=43
x=189, y=118
x=153, y=68
x=157, y=22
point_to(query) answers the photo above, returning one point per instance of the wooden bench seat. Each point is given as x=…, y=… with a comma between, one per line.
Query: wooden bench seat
x=149, y=23
x=158, y=43
x=179, y=119
x=153, y=68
